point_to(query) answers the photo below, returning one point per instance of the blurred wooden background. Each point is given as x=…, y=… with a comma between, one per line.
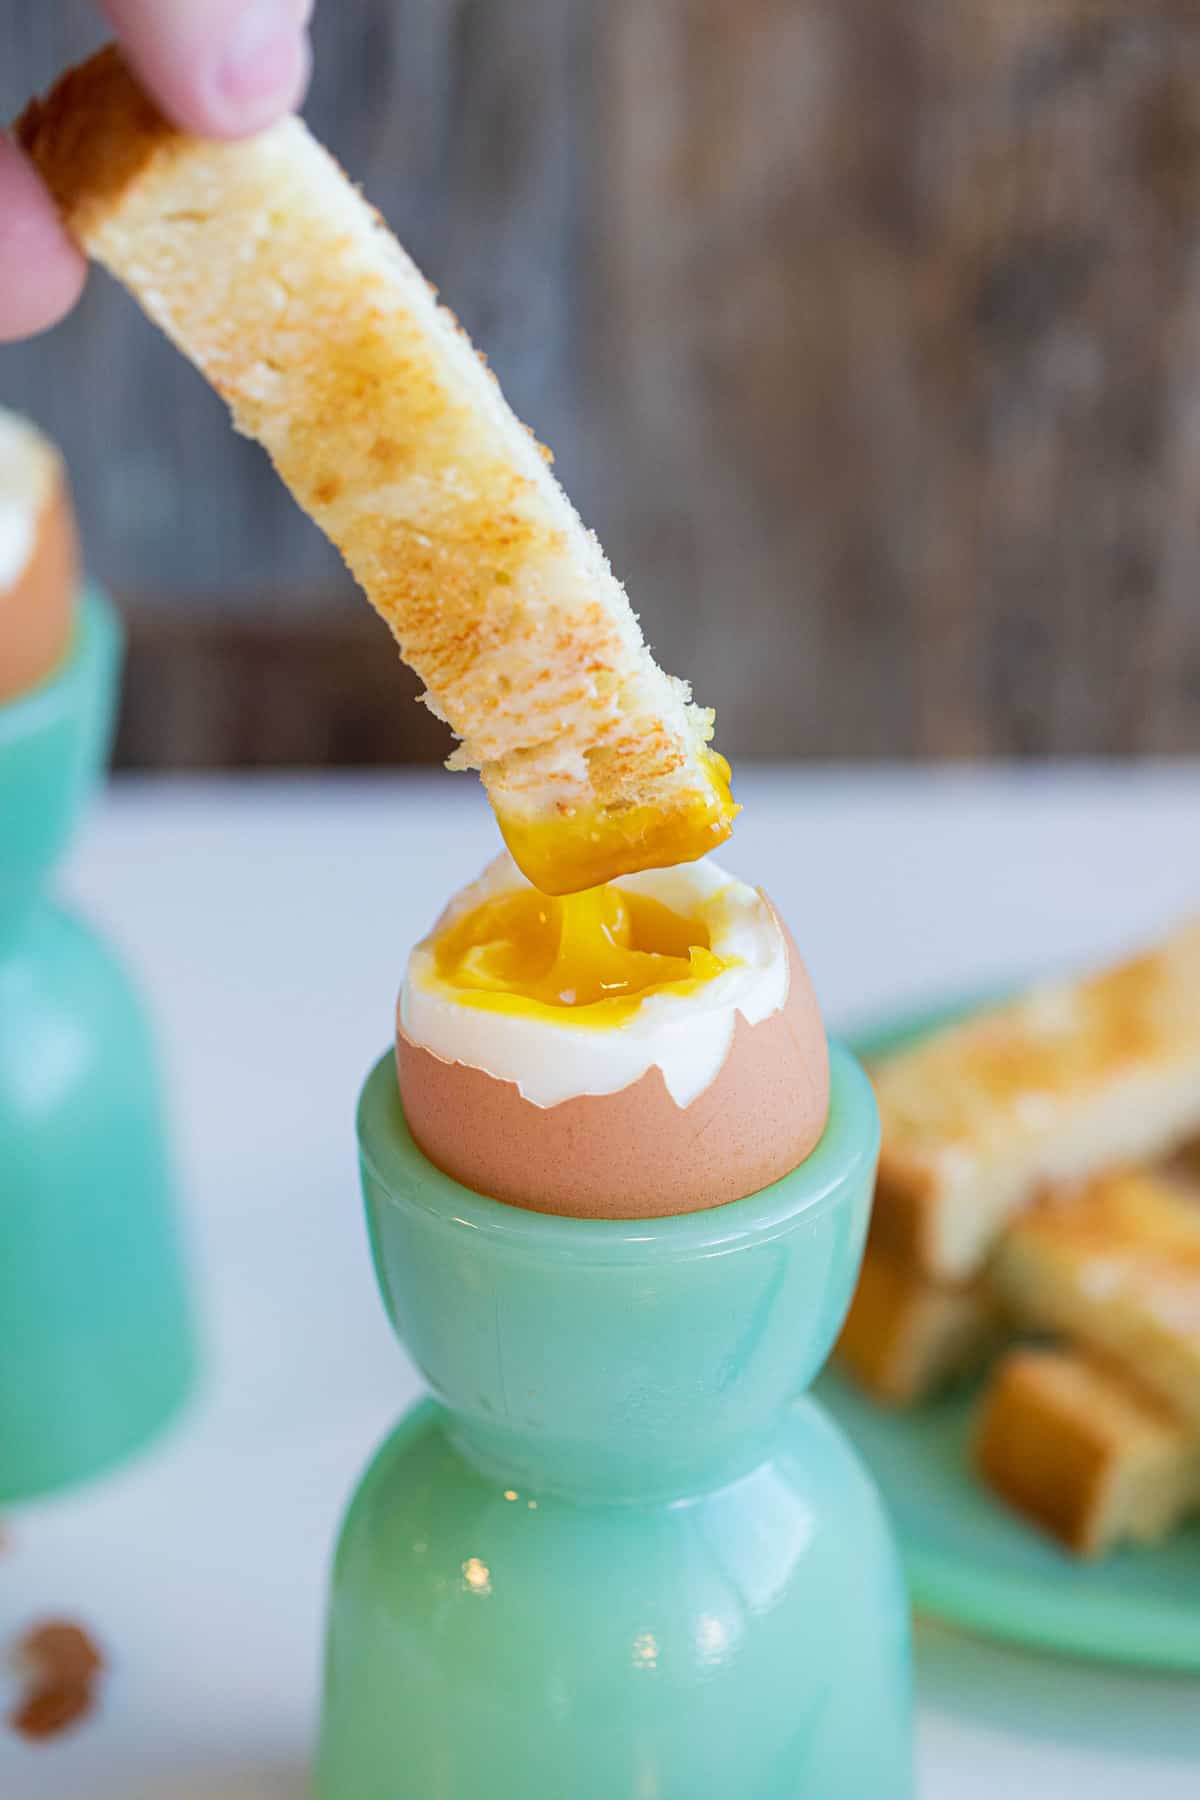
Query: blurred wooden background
x=866, y=334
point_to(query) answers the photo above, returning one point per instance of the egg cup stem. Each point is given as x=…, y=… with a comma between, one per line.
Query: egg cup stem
x=616, y=1554
x=95, y=1338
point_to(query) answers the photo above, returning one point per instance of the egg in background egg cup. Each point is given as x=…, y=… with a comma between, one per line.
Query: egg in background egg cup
x=617, y=1554
x=96, y=1346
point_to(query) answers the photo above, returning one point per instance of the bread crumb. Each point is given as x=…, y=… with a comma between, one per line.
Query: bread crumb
x=61, y=1662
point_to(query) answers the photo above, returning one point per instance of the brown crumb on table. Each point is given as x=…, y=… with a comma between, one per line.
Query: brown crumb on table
x=61, y=1662
x=59, y=1651
x=45, y=1711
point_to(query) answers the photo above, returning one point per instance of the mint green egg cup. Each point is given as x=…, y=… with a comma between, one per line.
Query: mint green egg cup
x=96, y=1345
x=618, y=1555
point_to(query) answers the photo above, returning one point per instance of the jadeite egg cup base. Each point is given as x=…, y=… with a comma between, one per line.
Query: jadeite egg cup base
x=95, y=1335
x=617, y=1557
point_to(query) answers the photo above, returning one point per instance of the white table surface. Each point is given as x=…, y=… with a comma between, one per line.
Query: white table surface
x=268, y=922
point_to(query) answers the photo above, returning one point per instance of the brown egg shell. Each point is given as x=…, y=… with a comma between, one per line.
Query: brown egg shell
x=634, y=1154
x=37, y=609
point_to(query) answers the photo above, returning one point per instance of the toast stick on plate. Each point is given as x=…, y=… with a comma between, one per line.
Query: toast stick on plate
x=906, y=1338
x=272, y=274
x=1114, y=1266
x=1073, y=1078
x=1083, y=1453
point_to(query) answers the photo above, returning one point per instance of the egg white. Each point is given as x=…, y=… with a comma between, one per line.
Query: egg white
x=686, y=1036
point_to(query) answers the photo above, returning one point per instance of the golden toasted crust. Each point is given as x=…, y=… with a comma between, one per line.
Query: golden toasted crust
x=270, y=272
x=1114, y=1265
x=906, y=1338
x=906, y=1213
x=1066, y=1081
x=1184, y=1168
x=87, y=170
x=1083, y=1453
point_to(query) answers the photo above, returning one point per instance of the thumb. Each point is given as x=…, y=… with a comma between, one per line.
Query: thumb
x=221, y=68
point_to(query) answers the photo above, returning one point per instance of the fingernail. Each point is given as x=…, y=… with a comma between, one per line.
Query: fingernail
x=264, y=59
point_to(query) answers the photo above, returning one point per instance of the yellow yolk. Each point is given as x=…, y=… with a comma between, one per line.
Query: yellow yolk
x=584, y=847
x=589, y=958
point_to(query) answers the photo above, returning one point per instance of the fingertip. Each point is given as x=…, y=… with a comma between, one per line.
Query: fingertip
x=43, y=303
x=221, y=68
x=42, y=273
x=262, y=74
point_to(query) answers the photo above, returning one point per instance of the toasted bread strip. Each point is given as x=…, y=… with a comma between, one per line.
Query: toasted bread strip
x=1071, y=1079
x=1184, y=1168
x=1114, y=1266
x=906, y=1338
x=269, y=270
x=38, y=557
x=1083, y=1453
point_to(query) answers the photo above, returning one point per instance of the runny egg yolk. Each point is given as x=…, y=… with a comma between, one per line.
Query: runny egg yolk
x=589, y=958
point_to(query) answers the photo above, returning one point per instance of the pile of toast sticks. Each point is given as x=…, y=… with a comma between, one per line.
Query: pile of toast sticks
x=1037, y=1218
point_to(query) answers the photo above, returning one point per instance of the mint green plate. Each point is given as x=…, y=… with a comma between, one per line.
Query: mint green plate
x=973, y=1563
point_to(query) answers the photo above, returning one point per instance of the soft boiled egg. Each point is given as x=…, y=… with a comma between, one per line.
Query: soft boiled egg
x=38, y=561
x=649, y=1047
